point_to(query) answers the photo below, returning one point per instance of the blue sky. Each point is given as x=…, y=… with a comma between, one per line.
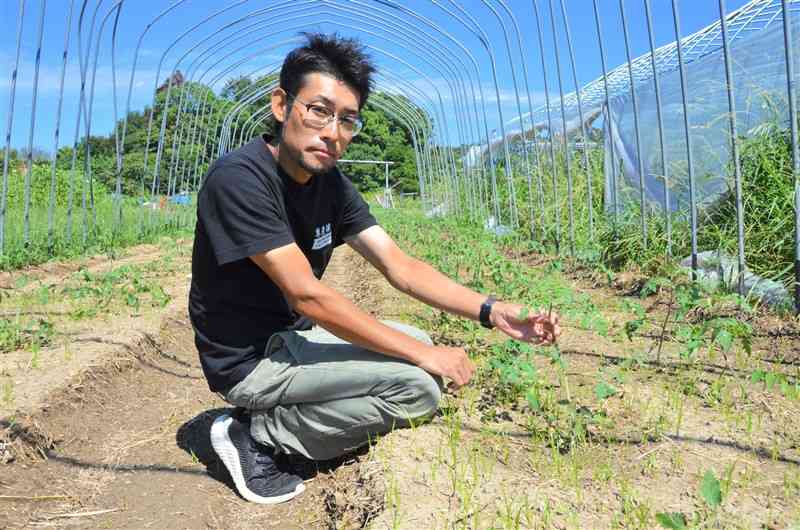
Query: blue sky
x=391, y=57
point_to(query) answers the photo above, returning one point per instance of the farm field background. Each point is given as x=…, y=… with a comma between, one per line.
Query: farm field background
x=573, y=156
x=664, y=404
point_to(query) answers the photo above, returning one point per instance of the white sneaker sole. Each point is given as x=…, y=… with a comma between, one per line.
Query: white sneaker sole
x=223, y=446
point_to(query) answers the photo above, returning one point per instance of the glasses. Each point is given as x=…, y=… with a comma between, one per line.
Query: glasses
x=319, y=116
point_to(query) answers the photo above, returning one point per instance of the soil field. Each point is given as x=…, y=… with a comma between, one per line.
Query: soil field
x=105, y=416
x=119, y=439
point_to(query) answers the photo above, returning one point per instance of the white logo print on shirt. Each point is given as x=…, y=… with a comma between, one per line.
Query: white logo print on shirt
x=323, y=237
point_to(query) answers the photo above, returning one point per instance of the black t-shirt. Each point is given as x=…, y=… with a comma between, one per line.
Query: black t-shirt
x=248, y=205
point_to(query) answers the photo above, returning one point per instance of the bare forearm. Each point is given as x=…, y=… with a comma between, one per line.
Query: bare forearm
x=426, y=284
x=290, y=270
x=341, y=317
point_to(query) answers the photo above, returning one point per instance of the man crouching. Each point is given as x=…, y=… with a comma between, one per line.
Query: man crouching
x=317, y=376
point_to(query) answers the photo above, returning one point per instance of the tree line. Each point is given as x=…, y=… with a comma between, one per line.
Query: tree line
x=189, y=144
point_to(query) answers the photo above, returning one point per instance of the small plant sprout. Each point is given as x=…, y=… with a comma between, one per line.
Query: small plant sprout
x=7, y=392
x=604, y=391
x=672, y=520
x=711, y=490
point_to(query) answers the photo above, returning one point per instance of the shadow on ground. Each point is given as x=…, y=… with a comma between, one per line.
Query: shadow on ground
x=194, y=438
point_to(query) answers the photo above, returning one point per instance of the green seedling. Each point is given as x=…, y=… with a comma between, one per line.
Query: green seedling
x=654, y=285
x=604, y=391
x=21, y=333
x=533, y=398
x=773, y=380
x=693, y=321
x=672, y=520
x=33, y=362
x=633, y=325
x=710, y=490
x=7, y=392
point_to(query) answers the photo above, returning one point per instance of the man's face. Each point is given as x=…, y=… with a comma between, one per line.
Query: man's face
x=316, y=150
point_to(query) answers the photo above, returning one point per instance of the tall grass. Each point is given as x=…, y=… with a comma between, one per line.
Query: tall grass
x=768, y=196
x=84, y=230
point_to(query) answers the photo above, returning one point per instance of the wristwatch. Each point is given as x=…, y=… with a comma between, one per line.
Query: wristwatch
x=486, y=311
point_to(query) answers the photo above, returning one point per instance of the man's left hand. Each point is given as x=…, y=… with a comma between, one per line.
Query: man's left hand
x=541, y=327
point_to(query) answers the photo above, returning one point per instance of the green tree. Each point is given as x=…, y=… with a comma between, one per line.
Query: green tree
x=387, y=139
x=185, y=146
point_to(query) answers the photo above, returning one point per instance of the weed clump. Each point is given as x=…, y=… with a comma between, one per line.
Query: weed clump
x=768, y=200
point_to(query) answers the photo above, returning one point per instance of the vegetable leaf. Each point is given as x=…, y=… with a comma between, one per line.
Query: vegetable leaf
x=533, y=400
x=710, y=489
x=604, y=391
x=725, y=340
x=673, y=520
x=632, y=326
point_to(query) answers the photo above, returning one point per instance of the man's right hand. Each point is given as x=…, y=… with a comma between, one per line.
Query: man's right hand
x=452, y=363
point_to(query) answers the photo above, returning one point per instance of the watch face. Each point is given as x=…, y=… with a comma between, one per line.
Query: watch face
x=486, y=310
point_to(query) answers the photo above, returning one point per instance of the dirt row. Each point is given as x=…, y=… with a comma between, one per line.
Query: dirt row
x=123, y=443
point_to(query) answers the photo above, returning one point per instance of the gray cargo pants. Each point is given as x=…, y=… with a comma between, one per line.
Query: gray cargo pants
x=318, y=396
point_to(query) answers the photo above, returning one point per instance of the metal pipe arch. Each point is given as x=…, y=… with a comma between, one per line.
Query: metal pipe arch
x=26, y=219
x=368, y=32
x=163, y=126
x=564, y=139
x=10, y=123
x=515, y=214
x=539, y=183
x=260, y=91
x=397, y=112
x=467, y=53
x=462, y=118
x=585, y=150
x=483, y=39
x=439, y=107
x=557, y=214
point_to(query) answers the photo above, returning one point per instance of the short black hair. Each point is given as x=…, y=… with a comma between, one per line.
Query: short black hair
x=341, y=58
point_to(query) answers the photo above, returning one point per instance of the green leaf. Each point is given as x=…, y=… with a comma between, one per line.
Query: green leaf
x=673, y=520
x=724, y=339
x=532, y=396
x=691, y=348
x=635, y=308
x=757, y=376
x=710, y=489
x=770, y=379
x=632, y=326
x=747, y=343
x=604, y=391
x=523, y=313
x=529, y=371
x=652, y=286
x=132, y=300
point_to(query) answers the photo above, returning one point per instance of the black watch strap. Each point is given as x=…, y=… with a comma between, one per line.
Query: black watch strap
x=486, y=311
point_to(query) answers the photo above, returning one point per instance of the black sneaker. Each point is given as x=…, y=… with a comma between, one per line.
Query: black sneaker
x=298, y=465
x=252, y=466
